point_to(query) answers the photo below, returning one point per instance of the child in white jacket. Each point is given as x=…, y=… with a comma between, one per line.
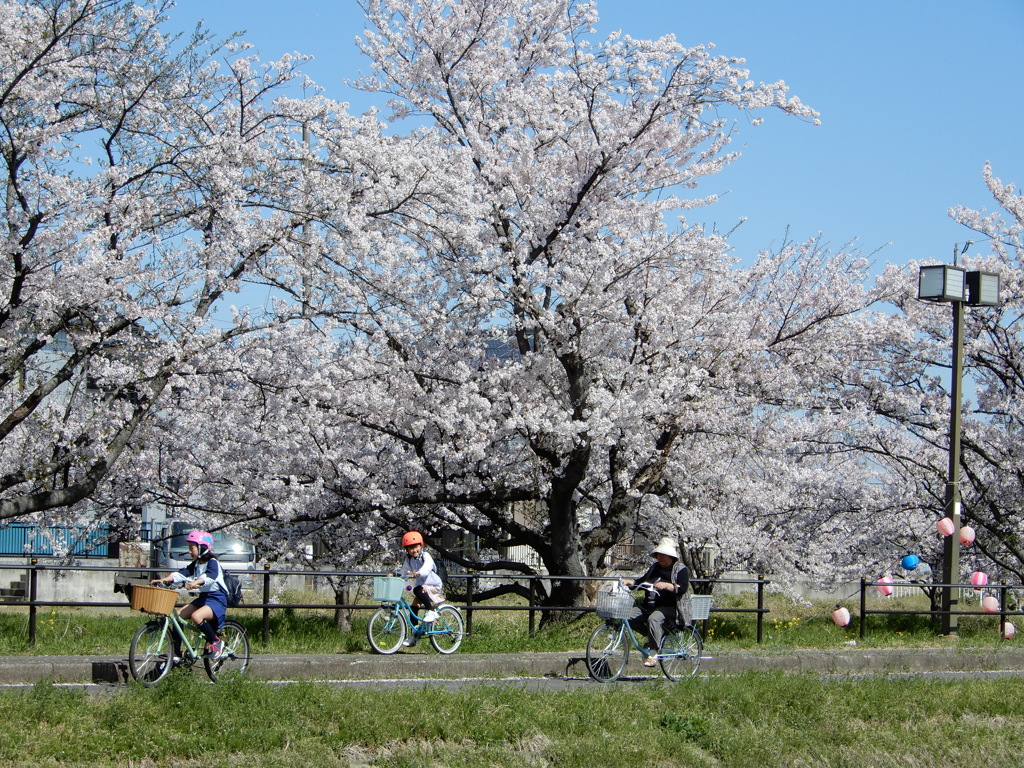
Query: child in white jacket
x=419, y=564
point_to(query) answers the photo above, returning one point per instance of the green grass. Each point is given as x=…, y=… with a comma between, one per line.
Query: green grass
x=753, y=720
x=788, y=625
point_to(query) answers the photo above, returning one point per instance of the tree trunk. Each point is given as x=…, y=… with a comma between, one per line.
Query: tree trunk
x=342, y=616
x=563, y=556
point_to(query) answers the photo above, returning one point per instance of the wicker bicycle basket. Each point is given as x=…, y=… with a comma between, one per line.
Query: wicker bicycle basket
x=701, y=606
x=615, y=605
x=153, y=599
x=388, y=589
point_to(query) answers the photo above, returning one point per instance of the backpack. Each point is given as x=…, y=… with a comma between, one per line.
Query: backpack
x=233, y=587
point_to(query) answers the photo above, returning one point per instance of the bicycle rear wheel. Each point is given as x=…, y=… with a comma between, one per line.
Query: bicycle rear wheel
x=447, y=630
x=386, y=630
x=236, y=655
x=149, y=656
x=607, y=652
x=680, y=653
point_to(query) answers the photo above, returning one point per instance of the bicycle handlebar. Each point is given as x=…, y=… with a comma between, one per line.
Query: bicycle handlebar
x=165, y=585
x=644, y=585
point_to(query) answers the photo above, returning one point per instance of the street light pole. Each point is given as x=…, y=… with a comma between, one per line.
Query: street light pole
x=958, y=287
x=951, y=548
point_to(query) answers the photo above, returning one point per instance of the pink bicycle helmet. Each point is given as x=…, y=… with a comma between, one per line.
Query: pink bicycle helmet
x=201, y=539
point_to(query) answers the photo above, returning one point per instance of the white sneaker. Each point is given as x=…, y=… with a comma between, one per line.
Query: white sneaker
x=411, y=641
x=430, y=616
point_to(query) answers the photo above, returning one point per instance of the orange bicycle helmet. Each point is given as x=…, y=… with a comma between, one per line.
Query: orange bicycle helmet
x=412, y=537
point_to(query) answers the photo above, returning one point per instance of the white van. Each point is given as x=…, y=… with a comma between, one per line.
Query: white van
x=169, y=552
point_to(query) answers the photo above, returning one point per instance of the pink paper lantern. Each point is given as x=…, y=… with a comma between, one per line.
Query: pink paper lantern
x=884, y=585
x=979, y=579
x=841, y=616
x=1009, y=631
x=967, y=535
x=945, y=526
x=989, y=604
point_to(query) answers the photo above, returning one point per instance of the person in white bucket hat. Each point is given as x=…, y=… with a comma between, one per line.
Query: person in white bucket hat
x=669, y=579
x=666, y=547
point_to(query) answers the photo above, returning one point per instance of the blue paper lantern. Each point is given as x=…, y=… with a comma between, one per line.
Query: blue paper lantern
x=910, y=562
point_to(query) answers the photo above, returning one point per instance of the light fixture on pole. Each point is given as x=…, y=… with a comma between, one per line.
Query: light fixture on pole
x=957, y=286
x=940, y=282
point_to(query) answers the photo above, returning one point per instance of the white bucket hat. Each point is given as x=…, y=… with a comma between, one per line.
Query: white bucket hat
x=666, y=546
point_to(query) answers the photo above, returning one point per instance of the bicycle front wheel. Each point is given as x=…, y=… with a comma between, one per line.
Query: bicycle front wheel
x=607, y=652
x=447, y=631
x=236, y=655
x=386, y=630
x=150, y=657
x=680, y=653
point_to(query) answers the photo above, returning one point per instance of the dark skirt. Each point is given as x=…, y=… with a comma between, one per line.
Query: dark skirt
x=217, y=600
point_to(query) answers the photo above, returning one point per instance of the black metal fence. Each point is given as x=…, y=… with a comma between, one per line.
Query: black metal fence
x=1003, y=589
x=468, y=597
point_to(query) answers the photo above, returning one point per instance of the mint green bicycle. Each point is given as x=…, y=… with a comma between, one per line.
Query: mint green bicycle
x=169, y=641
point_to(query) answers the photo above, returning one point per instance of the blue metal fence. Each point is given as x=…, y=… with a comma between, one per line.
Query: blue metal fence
x=44, y=541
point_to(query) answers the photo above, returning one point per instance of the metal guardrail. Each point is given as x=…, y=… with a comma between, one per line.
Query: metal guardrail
x=34, y=568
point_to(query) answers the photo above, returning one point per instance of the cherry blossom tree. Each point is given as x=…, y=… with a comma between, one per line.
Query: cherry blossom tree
x=991, y=458
x=524, y=347
x=994, y=462
x=491, y=315
x=896, y=402
x=147, y=178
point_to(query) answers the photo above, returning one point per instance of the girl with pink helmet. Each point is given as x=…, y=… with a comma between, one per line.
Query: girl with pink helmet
x=204, y=573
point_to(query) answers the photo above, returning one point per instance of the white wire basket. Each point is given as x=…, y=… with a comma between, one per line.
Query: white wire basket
x=700, y=606
x=615, y=605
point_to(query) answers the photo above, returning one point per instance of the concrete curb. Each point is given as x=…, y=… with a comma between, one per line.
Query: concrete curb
x=425, y=664
x=855, y=661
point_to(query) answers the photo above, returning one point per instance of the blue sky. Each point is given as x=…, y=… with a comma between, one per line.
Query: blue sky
x=914, y=95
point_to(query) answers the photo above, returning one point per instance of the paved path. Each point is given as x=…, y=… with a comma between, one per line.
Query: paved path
x=424, y=664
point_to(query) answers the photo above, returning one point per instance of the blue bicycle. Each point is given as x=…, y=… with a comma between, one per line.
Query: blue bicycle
x=395, y=620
